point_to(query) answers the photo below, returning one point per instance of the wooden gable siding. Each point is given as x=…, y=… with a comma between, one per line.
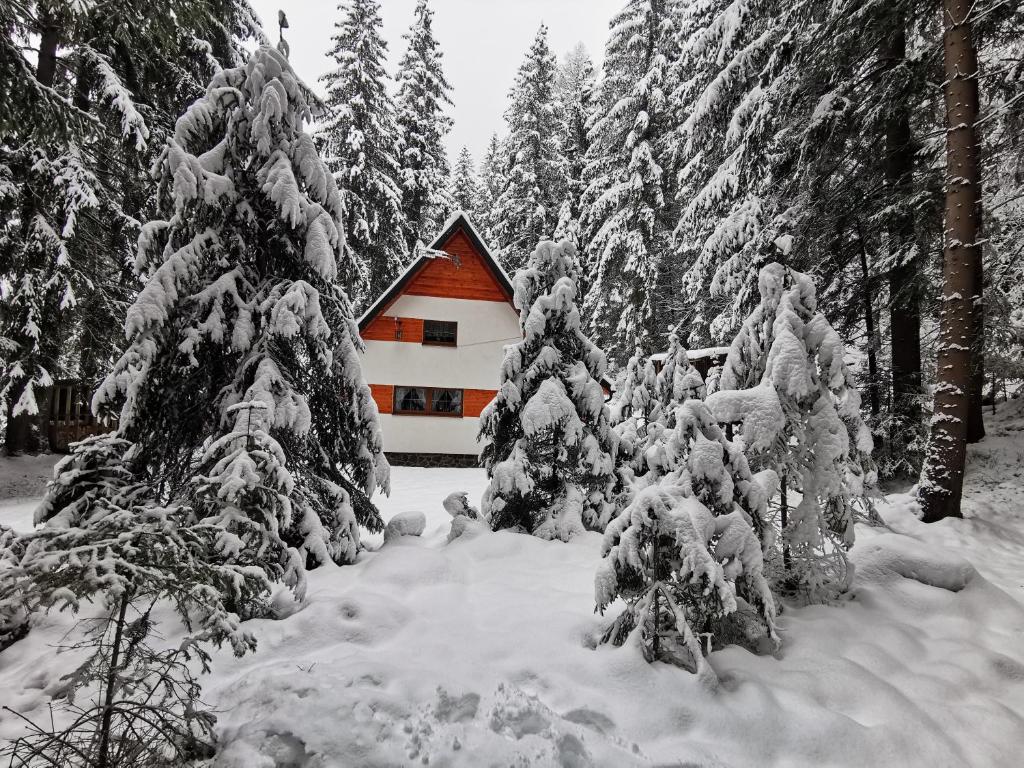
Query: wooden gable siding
x=384, y=327
x=471, y=279
x=473, y=400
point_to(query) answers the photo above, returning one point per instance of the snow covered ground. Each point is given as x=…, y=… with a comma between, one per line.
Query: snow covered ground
x=481, y=652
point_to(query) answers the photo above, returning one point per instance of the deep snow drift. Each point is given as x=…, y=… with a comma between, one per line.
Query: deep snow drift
x=482, y=652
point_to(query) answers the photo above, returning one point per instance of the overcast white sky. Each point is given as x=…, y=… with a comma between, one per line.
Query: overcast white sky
x=483, y=41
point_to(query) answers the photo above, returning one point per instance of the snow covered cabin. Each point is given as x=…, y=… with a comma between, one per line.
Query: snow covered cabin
x=434, y=345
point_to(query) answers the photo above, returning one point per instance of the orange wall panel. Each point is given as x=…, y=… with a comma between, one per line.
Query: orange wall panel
x=475, y=400
x=384, y=397
x=383, y=328
x=471, y=279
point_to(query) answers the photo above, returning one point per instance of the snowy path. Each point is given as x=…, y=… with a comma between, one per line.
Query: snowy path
x=481, y=653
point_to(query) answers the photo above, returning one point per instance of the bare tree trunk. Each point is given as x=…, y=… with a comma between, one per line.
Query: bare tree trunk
x=784, y=523
x=904, y=294
x=943, y=475
x=869, y=326
x=103, y=756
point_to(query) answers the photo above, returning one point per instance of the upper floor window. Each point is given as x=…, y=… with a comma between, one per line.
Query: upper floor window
x=440, y=332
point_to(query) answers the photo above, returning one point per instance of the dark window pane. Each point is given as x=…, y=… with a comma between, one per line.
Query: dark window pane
x=446, y=401
x=410, y=399
x=440, y=332
x=62, y=403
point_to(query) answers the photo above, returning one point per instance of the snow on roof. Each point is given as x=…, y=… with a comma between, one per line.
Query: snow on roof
x=694, y=354
x=443, y=233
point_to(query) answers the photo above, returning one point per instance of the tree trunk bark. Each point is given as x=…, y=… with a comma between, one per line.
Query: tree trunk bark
x=904, y=294
x=976, y=417
x=49, y=38
x=943, y=475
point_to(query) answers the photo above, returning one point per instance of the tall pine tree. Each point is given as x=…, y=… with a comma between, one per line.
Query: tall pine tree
x=465, y=188
x=626, y=221
x=492, y=182
x=576, y=91
x=423, y=93
x=535, y=184
x=360, y=137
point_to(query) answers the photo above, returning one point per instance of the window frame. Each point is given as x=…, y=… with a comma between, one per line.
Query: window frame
x=428, y=395
x=435, y=343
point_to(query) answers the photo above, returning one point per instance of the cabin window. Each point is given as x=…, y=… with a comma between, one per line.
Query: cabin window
x=447, y=401
x=428, y=401
x=410, y=399
x=441, y=332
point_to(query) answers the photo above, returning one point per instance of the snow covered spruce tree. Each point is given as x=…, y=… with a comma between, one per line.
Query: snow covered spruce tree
x=576, y=92
x=240, y=388
x=625, y=223
x=360, y=138
x=786, y=383
x=678, y=381
x=492, y=182
x=535, y=183
x=423, y=93
x=550, y=451
x=686, y=553
x=464, y=188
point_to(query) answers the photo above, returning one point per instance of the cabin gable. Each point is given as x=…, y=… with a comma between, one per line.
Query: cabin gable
x=435, y=342
x=463, y=276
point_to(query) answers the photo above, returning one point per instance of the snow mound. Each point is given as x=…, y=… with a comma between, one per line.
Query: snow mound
x=405, y=524
x=891, y=555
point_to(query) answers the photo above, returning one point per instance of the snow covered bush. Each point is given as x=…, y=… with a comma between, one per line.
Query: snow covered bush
x=550, y=450
x=457, y=505
x=240, y=389
x=786, y=384
x=464, y=516
x=686, y=553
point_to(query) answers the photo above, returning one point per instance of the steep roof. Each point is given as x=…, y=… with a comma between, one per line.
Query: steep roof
x=458, y=221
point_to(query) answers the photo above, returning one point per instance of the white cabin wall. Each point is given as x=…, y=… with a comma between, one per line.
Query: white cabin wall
x=485, y=328
x=430, y=434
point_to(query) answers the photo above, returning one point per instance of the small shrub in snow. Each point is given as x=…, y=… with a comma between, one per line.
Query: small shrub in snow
x=686, y=549
x=457, y=504
x=464, y=516
x=786, y=383
x=127, y=705
x=107, y=539
x=550, y=450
